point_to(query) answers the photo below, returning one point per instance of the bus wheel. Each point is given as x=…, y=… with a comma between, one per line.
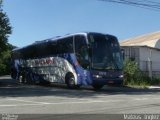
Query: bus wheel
x=13, y=74
x=29, y=79
x=70, y=81
x=97, y=86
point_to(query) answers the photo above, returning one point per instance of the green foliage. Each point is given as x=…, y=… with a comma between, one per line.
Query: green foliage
x=2, y=68
x=5, y=48
x=5, y=62
x=155, y=81
x=133, y=75
x=5, y=29
x=130, y=68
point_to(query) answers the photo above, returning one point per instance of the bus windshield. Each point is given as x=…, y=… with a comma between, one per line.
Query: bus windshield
x=106, y=54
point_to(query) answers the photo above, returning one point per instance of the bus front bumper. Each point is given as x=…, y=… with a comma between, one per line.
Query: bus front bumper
x=108, y=81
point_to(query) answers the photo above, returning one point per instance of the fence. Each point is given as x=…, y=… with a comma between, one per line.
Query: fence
x=151, y=68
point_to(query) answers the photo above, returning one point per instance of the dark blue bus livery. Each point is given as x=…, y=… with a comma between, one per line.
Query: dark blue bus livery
x=78, y=59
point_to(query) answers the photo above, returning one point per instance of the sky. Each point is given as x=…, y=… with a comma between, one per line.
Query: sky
x=35, y=20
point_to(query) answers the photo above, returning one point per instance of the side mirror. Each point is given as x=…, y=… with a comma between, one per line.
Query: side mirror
x=86, y=64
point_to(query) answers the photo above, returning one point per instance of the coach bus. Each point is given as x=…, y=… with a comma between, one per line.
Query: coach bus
x=78, y=59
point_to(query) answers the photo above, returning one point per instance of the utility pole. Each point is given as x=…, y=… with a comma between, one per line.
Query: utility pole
x=150, y=63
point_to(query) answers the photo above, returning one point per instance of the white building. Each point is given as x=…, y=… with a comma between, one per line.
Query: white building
x=145, y=50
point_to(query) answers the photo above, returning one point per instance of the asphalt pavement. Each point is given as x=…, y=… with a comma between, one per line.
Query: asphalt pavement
x=58, y=102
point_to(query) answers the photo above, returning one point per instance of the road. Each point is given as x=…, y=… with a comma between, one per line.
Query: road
x=57, y=99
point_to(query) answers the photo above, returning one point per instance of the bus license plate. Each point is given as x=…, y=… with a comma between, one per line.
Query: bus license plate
x=110, y=81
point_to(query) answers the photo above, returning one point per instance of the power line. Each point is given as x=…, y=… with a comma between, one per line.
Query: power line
x=147, y=4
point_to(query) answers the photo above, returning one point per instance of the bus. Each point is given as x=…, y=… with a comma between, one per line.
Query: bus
x=86, y=58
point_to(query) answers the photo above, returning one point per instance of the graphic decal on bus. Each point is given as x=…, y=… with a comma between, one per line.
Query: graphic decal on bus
x=76, y=59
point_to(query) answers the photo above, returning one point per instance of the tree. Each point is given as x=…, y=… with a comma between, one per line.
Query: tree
x=5, y=30
x=5, y=47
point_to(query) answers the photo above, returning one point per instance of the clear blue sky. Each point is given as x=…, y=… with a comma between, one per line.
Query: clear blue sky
x=34, y=20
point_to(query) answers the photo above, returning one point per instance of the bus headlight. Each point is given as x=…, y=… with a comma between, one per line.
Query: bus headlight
x=121, y=76
x=97, y=76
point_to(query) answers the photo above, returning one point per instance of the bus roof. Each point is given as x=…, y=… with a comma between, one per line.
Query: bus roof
x=59, y=37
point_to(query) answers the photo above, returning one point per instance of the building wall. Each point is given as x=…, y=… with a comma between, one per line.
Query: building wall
x=144, y=58
x=131, y=52
x=149, y=59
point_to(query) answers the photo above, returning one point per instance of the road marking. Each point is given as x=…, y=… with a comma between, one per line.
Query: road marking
x=56, y=103
x=141, y=99
x=15, y=105
x=146, y=98
x=29, y=101
x=22, y=102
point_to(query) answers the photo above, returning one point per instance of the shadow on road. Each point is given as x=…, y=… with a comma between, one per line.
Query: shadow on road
x=10, y=88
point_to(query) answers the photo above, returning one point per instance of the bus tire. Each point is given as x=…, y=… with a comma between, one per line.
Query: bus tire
x=29, y=79
x=13, y=73
x=97, y=86
x=70, y=81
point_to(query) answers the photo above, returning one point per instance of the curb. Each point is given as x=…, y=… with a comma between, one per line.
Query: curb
x=154, y=87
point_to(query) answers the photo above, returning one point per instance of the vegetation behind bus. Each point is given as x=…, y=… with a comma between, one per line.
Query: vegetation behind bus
x=133, y=76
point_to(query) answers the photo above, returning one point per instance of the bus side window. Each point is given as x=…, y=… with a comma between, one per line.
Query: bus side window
x=65, y=45
x=81, y=50
x=69, y=44
x=51, y=48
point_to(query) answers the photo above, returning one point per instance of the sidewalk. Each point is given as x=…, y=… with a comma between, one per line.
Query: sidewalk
x=154, y=87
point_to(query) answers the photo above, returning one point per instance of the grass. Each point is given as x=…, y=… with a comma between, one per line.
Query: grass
x=143, y=82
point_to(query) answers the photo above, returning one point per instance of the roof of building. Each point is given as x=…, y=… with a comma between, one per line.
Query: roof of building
x=142, y=46
x=151, y=40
